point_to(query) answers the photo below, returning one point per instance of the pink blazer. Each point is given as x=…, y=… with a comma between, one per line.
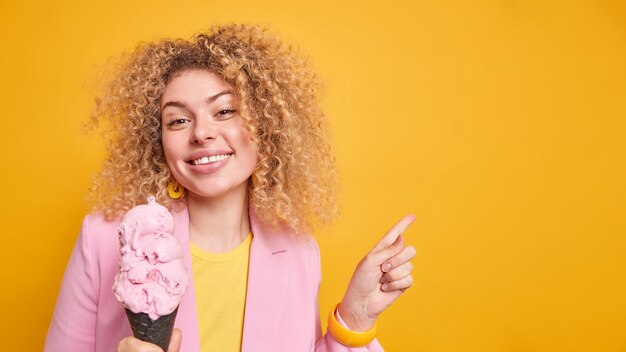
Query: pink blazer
x=281, y=311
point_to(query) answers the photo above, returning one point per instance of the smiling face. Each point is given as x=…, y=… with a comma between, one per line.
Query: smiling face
x=207, y=147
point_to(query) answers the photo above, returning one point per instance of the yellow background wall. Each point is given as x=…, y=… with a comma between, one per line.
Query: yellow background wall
x=499, y=124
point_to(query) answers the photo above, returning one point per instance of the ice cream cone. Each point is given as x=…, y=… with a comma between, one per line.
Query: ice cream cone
x=157, y=331
x=152, y=276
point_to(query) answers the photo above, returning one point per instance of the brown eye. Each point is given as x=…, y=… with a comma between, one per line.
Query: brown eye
x=224, y=113
x=176, y=122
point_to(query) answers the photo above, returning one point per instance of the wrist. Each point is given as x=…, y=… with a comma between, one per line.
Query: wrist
x=354, y=321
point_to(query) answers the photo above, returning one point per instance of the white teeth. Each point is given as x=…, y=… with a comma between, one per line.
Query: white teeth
x=210, y=159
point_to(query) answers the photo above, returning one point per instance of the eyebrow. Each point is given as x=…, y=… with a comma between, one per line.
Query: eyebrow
x=209, y=100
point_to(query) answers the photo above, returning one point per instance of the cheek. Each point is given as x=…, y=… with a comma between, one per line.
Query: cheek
x=169, y=150
x=248, y=147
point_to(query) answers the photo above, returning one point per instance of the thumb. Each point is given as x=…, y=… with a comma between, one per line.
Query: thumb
x=175, y=341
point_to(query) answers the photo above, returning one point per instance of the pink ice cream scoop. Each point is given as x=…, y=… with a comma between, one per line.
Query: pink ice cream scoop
x=152, y=275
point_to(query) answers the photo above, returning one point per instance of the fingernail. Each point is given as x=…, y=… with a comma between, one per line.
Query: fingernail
x=384, y=287
x=386, y=267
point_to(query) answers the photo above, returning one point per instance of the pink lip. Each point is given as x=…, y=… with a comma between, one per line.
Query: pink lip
x=211, y=167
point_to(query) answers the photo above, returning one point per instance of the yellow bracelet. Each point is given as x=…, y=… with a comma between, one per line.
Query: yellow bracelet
x=346, y=336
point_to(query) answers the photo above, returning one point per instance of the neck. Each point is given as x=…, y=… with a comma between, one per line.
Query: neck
x=219, y=224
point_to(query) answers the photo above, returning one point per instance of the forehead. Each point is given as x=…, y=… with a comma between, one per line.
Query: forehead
x=193, y=84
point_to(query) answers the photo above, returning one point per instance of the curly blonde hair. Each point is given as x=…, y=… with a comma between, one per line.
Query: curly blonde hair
x=294, y=182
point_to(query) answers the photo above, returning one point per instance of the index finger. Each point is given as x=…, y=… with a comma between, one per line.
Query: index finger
x=397, y=229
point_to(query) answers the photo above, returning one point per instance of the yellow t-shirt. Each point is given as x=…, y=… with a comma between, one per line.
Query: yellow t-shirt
x=220, y=281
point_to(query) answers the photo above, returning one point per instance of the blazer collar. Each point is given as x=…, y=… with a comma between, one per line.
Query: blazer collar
x=268, y=277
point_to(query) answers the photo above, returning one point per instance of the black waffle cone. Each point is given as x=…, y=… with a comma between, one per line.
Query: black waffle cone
x=157, y=331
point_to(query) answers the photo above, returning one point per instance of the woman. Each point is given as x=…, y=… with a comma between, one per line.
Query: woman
x=227, y=132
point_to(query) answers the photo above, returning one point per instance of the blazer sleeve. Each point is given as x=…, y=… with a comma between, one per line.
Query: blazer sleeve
x=326, y=342
x=73, y=325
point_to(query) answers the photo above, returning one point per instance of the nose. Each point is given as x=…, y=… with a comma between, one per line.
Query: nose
x=204, y=130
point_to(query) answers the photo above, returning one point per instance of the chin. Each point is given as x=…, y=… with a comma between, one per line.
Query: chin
x=217, y=191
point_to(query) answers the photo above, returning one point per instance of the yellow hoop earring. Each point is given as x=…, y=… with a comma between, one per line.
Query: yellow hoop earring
x=175, y=190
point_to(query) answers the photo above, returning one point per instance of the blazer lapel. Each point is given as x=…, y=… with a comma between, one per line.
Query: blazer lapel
x=268, y=277
x=187, y=317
